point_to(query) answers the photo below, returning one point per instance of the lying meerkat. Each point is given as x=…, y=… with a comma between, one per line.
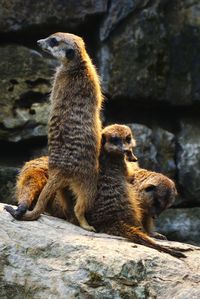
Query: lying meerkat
x=157, y=193
x=74, y=133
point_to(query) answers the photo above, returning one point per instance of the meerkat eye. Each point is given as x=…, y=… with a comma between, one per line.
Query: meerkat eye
x=114, y=140
x=128, y=139
x=70, y=53
x=53, y=42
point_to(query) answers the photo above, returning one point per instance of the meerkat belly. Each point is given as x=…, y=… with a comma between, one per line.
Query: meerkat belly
x=111, y=203
x=73, y=143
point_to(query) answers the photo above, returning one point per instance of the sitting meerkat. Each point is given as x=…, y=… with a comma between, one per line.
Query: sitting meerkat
x=74, y=129
x=116, y=209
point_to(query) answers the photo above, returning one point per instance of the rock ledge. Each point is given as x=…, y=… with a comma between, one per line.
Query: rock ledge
x=51, y=258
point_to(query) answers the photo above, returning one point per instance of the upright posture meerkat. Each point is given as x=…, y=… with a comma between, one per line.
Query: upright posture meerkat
x=116, y=209
x=74, y=133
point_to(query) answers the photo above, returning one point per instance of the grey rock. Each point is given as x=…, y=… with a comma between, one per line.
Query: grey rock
x=51, y=258
x=24, y=86
x=155, y=149
x=118, y=11
x=19, y=15
x=7, y=183
x=152, y=51
x=180, y=225
x=188, y=160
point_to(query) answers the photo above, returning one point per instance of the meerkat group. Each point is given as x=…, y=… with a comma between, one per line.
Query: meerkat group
x=88, y=177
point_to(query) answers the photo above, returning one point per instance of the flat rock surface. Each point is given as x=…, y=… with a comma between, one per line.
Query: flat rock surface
x=51, y=258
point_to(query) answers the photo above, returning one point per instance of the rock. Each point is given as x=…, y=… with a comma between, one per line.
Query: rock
x=24, y=86
x=19, y=15
x=188, y=160
x=180, y=225
x=155, y=149
x=143, y=50
x=51, y=258
x=117, y=12
x=7, y=183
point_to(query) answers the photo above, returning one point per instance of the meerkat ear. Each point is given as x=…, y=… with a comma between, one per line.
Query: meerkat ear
x=149, y=187
x=69, y=54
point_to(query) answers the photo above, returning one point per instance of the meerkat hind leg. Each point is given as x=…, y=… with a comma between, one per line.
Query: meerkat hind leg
x=84, y=193
x=54, y=183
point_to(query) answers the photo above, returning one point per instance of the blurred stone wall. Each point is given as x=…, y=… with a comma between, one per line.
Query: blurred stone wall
x=148, y=55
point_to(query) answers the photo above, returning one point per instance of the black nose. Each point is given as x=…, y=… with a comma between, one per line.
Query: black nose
x=130, y=156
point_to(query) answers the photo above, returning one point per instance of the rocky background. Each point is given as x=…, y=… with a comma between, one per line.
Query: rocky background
x=148, y=55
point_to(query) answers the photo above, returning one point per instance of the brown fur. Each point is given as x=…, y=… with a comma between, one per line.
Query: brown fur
x=157, y=193
x=34, y=174
x=116, y=208
x=31, y=180
x=74, y=128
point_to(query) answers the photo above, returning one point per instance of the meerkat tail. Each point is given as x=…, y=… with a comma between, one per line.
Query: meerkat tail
x=46, y=194
x=19, y=212
x=26, y=193
x=134, y=234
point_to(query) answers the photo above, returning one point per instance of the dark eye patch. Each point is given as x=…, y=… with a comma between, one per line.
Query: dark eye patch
x=70, y=53
x=128, y=139
x=115, y=140
x=53, y=42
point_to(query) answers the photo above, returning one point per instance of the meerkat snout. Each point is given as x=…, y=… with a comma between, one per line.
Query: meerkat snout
x=130, y=156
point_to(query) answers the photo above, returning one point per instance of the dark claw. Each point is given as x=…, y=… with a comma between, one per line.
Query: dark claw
x=18, y=213
x=158, y=236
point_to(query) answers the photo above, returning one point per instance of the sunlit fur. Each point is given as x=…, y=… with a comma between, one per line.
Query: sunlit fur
x=74, y=134
x=116, y=209
x=33, y=177
x=156, y=191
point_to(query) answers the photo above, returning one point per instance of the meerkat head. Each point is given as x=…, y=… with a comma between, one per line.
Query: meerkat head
x=159, y=193
x=66, y=47
x=118, y=140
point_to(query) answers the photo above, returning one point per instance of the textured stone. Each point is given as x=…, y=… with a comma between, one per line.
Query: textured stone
x=180, y=225
x=21, y=15
x=155, y=149
x=24, y=86
x=188, y=160
x=118, y=11
x=153, y=54
x=7, y=183
x=51, y=258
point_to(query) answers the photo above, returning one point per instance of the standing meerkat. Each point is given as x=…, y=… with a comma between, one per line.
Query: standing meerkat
x=74, y=133
x=116, y=209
